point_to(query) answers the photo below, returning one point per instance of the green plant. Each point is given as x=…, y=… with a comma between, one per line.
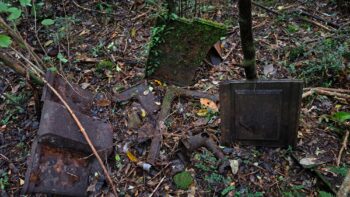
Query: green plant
x=293, y=191
x=339, y=170
x=324, y=194
x=4, y=181
x=323, y=64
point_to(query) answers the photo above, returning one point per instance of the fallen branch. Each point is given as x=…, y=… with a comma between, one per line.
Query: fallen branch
x=325, y=92
x=343, y=147
x=330, y=89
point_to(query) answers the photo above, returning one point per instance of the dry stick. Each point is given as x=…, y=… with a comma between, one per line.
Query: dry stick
x=155, y=189
x=330, y=89
x=343, y=147
x=325, y=92
x=18, y=38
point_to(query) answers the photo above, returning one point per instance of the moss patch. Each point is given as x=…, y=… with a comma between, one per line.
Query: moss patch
x=178, y=46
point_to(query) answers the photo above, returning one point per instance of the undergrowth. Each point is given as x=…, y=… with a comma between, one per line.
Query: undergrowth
x=326, y=64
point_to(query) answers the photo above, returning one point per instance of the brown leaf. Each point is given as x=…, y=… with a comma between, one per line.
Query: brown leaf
x=103, y=102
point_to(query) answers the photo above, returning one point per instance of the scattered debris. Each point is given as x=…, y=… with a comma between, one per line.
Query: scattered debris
x=58, y=163
x=203, y=140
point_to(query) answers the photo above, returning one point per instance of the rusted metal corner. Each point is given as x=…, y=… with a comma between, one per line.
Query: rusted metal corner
x=60, y=161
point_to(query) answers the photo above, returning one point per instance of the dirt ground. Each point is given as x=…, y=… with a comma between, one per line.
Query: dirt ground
x=86, y=36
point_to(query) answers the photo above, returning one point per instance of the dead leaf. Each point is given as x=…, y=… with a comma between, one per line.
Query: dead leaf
x=202, y=112
x=209, y=104
x=103, y=102
x=85, y=85
x=234, y=166
x=131, y=156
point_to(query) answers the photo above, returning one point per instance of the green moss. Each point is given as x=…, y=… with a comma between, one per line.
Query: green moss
x=183, y=180
x=105, y=64
x=179, y=43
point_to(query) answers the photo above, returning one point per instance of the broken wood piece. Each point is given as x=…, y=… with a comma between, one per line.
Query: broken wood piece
x=160, y=127
x=178, y=48
x=326, y=92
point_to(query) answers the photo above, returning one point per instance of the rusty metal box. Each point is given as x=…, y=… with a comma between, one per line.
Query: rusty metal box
x=260, y=112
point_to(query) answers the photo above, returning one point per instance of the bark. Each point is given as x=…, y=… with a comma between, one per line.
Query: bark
x=247, y=41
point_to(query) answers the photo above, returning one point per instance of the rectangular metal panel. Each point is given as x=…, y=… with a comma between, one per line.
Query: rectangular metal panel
x=259, y=112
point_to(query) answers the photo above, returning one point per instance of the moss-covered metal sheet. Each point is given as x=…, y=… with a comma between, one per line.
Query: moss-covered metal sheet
x=178, y=48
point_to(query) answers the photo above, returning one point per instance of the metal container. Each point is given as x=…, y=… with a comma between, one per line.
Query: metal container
x=260, y=112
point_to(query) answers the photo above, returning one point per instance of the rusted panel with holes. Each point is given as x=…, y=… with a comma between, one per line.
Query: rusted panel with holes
x=262, y=113
x=59, y=164
x=55, y=170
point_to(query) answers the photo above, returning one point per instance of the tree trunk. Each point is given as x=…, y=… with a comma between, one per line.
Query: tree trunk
x=247, y=41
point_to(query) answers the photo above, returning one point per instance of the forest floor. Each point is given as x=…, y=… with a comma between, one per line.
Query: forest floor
x=288, y=46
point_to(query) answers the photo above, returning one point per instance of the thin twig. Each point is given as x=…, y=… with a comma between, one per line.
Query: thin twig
x=155, y=189
x=343, y=147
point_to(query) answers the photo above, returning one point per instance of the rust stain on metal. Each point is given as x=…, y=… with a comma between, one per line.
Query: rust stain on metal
x=56, y=165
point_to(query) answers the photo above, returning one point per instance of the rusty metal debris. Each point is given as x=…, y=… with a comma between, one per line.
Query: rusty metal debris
x=262, y=113
x=60, y=162
x=203, y=140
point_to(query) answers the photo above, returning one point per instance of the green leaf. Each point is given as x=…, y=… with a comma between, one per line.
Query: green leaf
x=25, y=3
x=227, y=190
x=52, y=69
x=183, y=180
x=341, y=116
x=15, y=13
x=324, y=194
x=61, y=58
x=5, y=41
x=117, y=157
x=47, y=22
x=3, y=7
x=339, y=170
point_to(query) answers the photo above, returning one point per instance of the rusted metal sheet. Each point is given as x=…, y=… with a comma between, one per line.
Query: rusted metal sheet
x=76, y=97
x=58, y=163
x=53, y=170
x=258, y=112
